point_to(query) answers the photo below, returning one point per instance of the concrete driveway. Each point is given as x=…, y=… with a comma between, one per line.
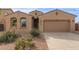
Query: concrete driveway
x=62, y=41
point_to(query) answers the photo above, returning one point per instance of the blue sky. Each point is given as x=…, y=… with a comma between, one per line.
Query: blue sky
x=70, y=10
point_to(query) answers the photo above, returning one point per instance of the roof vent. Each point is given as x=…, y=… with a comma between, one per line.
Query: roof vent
x=35, y=13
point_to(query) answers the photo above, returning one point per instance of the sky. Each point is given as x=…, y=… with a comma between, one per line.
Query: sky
x=74, y=11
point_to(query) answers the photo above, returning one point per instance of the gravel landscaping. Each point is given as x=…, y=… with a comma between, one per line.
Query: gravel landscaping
x=39, y=42
x=9, y=46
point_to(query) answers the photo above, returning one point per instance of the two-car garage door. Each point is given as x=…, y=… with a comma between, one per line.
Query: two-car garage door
x=56, y=26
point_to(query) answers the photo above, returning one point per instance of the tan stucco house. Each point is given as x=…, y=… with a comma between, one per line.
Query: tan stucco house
x=52, y=21
x=77, y=26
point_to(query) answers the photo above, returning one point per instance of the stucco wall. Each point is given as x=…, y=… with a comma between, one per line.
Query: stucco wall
x=60, y=16
x=3, y=13
x=52, y=15
x=18, y=15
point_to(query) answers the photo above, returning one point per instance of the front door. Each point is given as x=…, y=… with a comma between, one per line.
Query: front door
x=35, y=22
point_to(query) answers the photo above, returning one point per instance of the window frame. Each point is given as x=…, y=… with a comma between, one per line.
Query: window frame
x=11, y=21
x=23, y=19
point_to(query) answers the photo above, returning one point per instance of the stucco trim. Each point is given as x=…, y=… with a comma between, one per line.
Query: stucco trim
x=18, y=12
x=60, y=11
x=36, y=11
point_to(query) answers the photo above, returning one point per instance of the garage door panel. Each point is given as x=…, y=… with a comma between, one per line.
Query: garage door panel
x=56, y=26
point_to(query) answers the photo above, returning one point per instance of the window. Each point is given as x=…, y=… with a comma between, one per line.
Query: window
x=13, y=22
x=23, y=22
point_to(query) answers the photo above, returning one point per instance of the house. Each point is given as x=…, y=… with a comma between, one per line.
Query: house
x=52, y=21
x=77, y=26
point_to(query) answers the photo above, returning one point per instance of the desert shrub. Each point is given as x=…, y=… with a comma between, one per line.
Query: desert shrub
x=30, y=44
x=35, y=33
x=22, y=44
x=29, y=40
x=8, y=37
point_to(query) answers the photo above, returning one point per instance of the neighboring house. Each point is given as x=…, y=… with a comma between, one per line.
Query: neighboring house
x=77, y=26
x=53, y=21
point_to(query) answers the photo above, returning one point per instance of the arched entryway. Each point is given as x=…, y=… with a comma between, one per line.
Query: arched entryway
x=35, y=22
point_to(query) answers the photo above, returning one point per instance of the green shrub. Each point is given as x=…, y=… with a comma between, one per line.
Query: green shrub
x=8, y=37
x=22, y=44
x=30, y=45
x=34, y=33
x=29, y=40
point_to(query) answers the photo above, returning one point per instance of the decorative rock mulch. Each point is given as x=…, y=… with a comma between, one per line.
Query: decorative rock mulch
x=40, y=44
x=9, y=46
